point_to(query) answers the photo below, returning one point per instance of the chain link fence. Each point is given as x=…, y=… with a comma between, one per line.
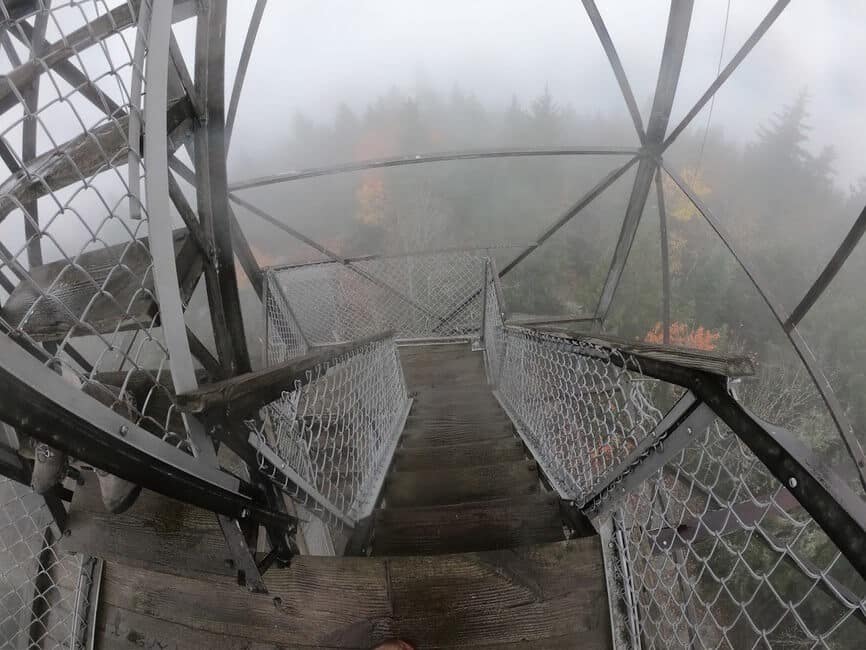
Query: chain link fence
x=329, y=442
x=45, y=592
x=710, y=551
x=422, y=295
x=76, y=274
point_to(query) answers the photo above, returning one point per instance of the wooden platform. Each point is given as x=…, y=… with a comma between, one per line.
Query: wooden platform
x=468, y=551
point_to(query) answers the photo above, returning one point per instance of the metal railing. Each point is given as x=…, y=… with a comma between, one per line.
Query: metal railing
x=329, y=441
x=434, y=294
x=46, y=593
x=706, y=544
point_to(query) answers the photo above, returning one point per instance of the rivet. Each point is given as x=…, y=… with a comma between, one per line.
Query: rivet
x=689, y=430
x=230, y=564
x=245, y=513
x=792, y=482
x=124, y=430
x=277, y=601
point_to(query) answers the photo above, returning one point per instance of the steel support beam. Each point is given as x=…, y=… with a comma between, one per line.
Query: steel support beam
x=666, y=267
x=47, y=407
x=211, y=183
x=686, y=419
x=240, y=75
x=615, y=63
x=804, y=352
x=735, y=61
x=422, y=159
x=679, y=21
x=830, y=271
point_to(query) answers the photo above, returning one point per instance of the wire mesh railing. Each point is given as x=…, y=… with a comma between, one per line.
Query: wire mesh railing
x=76, y=274
x=423, y=295
x=704, y=546
x=46, y=593
x=329, y=441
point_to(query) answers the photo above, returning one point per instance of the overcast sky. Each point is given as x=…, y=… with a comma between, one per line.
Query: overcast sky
x=313, y=54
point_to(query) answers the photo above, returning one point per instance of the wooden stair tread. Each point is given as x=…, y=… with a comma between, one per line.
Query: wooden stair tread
x=156, y=532
x=504, y=598
x=474, y=526
x=432, y=435
x=449, y=485
x=469, y=454
x=122, y=270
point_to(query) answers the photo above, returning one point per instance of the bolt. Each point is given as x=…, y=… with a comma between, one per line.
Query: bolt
x=245, y=513
x=689, y=430
x=124, y=430
x=792, y=482
x=277, y=601
x=67, y=533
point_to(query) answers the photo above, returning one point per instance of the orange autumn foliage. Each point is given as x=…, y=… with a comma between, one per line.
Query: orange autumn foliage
x=698, y=338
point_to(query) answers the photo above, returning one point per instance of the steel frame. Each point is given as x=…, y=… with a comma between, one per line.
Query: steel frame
x=839, y=511
x=47, y=407
x=786, y=460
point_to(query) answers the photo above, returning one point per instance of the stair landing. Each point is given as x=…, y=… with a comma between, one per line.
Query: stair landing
x=468, y=550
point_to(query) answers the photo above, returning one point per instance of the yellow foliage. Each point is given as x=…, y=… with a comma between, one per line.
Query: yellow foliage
x=678, y=205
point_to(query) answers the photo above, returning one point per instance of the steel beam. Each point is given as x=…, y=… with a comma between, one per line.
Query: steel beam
x=830, y=271
x=615, y=63
x=804, y=352
x=211, y=182
x=47, y=407
x=679, y=21
x=240, y=75
x=30, y=95
x=735, y=61
x=422, y=159
x=686, y=419
x=665, y=251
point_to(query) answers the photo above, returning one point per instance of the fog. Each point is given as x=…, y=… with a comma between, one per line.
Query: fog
x=777, y=156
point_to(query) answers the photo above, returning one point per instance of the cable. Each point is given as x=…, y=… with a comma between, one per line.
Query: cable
x=713, y=99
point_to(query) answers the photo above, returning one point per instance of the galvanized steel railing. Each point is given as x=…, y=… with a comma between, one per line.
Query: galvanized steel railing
x=705, y=546
x=329, y=441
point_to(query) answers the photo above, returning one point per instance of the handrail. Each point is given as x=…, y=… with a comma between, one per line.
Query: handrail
x=834, y=506
x=639, y=352
x=241, y=396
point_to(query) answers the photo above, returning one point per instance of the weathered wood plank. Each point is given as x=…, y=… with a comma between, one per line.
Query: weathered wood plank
x=447, y=485
x=122, y=270
x=484, y=525
x=323, y=602
x=503, y=596
x=250, y=391
x=123, y=629
x=469, y=454
x=156, y=532
x=711, y=362
x=431, y=434
x=499, y=599
x=81, y=158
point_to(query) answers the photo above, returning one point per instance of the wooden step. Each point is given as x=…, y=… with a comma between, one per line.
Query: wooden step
x=448, y=485
x=431, y=435
x=110, y=287
x=486, y=452
x=515, y=599
x=477, y=526
x=156, y=532
x=456, y=421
